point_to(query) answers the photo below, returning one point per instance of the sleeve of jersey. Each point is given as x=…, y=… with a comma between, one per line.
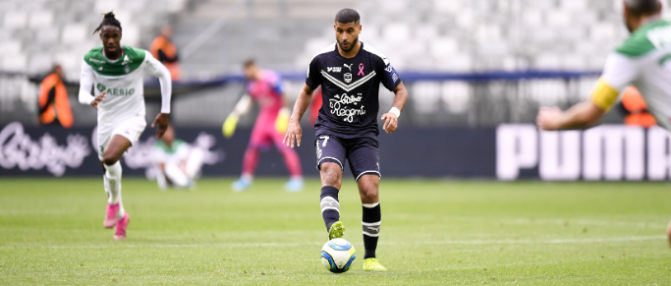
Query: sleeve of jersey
x=390, y=79
x=277, y=85
x=85, y=84
x=157, y=69
x=620, y=71
x=314, y=77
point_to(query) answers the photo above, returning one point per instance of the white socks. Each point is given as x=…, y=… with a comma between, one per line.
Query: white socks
x=176, y=176
x=112, y=179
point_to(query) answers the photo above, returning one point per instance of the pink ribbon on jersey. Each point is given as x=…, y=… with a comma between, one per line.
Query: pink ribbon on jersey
x=360, y=69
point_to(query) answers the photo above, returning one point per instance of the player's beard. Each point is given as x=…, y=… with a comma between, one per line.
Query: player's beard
x=351, y=46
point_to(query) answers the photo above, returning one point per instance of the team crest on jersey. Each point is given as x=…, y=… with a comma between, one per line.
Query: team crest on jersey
x=101, y=87
x=348, y=78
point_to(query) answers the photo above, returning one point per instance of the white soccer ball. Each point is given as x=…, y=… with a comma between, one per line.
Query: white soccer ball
x=338, y=255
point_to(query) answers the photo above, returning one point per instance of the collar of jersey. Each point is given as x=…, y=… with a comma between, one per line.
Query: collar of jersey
x=351, y=86
x=113, y=61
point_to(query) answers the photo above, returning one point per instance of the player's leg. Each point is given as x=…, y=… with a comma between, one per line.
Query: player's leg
x=292, y=162
x=668, y=233
x=116, y=215
x=176, y=175
x=257, y=140
x=364, y=161
x=122, y=137
x=330, y=155
x=194, y=163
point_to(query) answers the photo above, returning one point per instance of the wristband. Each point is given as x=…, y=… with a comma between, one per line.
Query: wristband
x=395, y=111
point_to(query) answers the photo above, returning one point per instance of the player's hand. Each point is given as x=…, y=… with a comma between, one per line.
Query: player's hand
x=390, y=122
x=229, y=125
x=162, y=119
x=294, y=133
x=549, y=118
x=96, y=101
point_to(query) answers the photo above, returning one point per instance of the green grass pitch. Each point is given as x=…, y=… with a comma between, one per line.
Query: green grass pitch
x=433, y=233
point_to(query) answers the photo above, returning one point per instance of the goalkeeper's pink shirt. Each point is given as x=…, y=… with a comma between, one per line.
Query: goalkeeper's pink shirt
x=267, y=92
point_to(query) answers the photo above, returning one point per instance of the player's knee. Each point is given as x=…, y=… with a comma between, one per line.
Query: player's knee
x=369, y=195
x=109, y=159
x=331, y=174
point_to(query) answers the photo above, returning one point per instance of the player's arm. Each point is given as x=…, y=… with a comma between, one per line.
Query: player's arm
x=158, y=70
x=85, y=85
x=618, y=73
x=391, y=80
x=295, y=132
x=391, y=118
x=241, y=108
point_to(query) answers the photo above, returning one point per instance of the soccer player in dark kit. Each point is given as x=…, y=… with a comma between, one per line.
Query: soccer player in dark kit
x=350, y=73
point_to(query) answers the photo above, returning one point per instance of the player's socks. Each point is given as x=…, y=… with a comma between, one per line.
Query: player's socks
x=178, y=178
x=250, y=160
x=372, y=218
x=112, y=182
x=330, y=206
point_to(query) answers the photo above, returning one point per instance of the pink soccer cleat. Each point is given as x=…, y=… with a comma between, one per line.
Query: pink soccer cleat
x=120, y=232
x=112, y=216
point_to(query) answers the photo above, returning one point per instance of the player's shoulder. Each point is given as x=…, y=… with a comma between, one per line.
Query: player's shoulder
x=270, y=75
x=372, y=51
x=646, y=39
x=135, y=54
x=94, y=56
x=325, y=52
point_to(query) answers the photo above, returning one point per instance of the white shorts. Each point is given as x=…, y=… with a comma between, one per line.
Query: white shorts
x=130, y=128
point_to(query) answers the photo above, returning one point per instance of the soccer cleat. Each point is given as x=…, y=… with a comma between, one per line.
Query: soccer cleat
x=120, y=232
x=112, y=216
x=371, y=264
x=337, y=230
x=294, y=185
x=241, y=185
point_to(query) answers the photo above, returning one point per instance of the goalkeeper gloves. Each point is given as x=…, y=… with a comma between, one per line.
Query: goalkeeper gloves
x=229, y=125
x=282, y=122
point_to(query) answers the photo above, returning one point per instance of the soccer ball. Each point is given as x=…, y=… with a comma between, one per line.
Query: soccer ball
x=338, y=255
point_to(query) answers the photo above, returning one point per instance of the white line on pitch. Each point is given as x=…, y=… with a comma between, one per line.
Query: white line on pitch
x=457, y=242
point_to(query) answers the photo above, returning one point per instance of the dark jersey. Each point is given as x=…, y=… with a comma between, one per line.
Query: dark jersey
x=350, y=89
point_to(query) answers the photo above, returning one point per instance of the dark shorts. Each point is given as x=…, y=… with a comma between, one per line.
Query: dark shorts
x=363, y=154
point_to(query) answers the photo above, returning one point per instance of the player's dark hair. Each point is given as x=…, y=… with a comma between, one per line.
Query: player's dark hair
x=248, y=63
x=348, y=15
x=642, y=7
x=108, y=20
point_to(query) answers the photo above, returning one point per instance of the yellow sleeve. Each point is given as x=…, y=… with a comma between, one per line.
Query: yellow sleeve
x=604, y=95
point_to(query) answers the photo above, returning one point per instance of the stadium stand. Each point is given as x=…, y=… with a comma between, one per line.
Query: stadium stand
x=466, y=62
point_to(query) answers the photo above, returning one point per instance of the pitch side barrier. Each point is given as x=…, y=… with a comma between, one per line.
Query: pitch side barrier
x=507, y=152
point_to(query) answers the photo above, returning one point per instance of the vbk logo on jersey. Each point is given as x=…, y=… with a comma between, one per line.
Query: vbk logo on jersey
x=101, y=87
x=334, y=69
x=348, y=78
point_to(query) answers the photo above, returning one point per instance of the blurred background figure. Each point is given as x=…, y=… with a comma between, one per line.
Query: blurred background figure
x=315, y=105
x=179, y=164
x=166, y=52
x=265, y=87
x=635, y=109
x=54, y=102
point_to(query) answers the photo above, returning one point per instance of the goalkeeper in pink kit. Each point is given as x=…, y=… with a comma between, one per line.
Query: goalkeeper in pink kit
x=264, y=87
